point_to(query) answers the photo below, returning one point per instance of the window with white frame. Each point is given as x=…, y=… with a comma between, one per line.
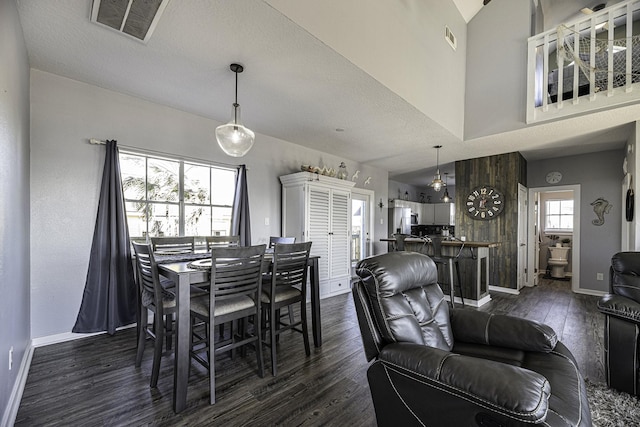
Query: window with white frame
x=174, y=197
x=558, y=215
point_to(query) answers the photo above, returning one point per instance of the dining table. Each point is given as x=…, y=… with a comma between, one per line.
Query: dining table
x=176, y=267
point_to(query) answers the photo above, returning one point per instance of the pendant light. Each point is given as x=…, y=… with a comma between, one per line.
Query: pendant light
x=235, y=139
x=437, y=182
x=445, y=197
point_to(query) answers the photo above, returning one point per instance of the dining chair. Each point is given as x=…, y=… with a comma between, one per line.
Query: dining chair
x=235, y=295
x=178, y=245
x=155, y=298
x=221, y=241
x=273, y=240
x=287, y=287
x=452, y=264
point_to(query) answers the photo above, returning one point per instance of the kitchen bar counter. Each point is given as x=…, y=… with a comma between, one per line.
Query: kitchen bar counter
x=474, y=265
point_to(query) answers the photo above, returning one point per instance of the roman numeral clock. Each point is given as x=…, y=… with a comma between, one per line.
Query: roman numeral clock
x=484, y=203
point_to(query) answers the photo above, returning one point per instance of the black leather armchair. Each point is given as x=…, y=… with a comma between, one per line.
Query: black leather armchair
x=621, y=307
x=440, y=367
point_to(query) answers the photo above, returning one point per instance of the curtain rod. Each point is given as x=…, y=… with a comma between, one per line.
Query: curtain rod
x=96, y=141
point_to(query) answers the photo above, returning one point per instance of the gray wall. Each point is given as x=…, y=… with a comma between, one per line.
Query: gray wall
x=496, y=81
x=14, y=199
x=66, y=176
x=599, y=175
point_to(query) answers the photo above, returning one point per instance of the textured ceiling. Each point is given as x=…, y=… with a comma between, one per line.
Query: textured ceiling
x=294, y=87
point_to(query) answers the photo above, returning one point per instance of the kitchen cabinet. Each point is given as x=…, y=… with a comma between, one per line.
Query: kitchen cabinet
x=444, y=213
x=319, y=211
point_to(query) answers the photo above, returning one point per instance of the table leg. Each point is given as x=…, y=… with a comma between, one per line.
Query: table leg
x=315, y=302
x=182, y=331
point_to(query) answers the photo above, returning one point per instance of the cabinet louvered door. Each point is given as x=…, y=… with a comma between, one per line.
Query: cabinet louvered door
x=339, y=263
x=318, y=227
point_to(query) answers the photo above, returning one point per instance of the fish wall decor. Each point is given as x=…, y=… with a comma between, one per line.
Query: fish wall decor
x=600, y=207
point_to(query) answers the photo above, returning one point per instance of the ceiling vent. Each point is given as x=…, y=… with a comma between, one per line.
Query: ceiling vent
x=135, y=18
x=450, y=37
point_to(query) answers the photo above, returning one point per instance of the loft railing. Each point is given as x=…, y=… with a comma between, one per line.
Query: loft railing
x=588, y=64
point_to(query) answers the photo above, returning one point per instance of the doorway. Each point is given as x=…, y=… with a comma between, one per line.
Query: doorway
x=361, y=225
x=554, y=219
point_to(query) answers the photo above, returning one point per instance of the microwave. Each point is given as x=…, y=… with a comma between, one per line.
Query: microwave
x=414, y=219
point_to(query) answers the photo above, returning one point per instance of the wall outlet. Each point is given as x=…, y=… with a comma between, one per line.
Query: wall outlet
x=11, y=358
x=266, y=220
x=463, y=238
x=599, y=276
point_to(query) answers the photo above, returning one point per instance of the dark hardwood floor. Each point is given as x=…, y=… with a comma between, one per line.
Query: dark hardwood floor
x=93, y=381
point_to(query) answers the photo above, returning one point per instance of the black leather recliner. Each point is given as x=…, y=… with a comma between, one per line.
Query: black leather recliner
x=440, y=367
x=621, y=329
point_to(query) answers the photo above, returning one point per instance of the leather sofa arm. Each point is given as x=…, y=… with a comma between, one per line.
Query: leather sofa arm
x=513, y=392
x=500, y=330
x=619, y=306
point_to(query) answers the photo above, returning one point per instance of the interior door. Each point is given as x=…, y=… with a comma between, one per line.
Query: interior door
x=522, y=235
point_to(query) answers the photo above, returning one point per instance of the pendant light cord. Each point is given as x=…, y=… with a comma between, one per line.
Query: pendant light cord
x=235, y=104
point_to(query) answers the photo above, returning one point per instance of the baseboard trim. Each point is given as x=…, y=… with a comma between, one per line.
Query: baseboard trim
x=11, y=411
x=69, y=336
x=504, y=290
x=471, y=302
x=590, y=292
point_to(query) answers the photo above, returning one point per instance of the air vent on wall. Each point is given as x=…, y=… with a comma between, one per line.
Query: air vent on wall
x=450, y=37
x=135, y=18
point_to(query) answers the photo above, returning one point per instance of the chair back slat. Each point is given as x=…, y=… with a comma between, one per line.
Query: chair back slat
x=222, y=241
x=236, y=271
x=289, y=266
x=273, y=240
x=148, y=278
x=182, y=244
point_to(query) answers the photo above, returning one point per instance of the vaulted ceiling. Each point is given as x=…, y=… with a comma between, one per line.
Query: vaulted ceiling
x=294, y=87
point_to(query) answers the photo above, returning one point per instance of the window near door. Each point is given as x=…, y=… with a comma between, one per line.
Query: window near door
x=173, y=197
x=558, y=215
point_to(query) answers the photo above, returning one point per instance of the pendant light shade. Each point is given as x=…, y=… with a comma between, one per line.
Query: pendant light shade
x=445, y=197
x=437, y=182
x=235, y=139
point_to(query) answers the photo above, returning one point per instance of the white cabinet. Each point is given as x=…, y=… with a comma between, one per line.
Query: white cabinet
x=443, y=213
x=318, y=209
x=427, y=214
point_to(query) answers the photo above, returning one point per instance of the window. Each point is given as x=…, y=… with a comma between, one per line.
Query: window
x=558, y=215
x=172, y=197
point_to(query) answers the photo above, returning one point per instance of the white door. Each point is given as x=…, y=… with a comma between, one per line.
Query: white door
x=340, y=234
x=522, y=235
x=318, y=227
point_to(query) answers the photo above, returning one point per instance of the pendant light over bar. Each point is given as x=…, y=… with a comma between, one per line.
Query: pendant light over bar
x=235, y=139
x=437, y=182
x=445, y=197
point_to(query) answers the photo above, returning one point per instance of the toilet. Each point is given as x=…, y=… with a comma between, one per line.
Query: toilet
x=558, y=260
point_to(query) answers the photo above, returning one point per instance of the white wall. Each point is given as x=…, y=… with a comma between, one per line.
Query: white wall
x=14, y=202
x=399, y=43
x=496, y=77
x=599, y=175
x=66, y=173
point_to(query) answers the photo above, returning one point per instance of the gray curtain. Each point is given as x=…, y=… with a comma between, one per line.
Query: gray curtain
x=110, y=296
x=240, y=222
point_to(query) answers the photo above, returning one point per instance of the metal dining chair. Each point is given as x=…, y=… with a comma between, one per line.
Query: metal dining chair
x=178, y=245
x=235, y=295
x=451, y=261
x=221, y=241
x=287, y=287
x=160, y=301
x=273, y=240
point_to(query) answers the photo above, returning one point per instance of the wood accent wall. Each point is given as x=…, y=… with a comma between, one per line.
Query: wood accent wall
x=504, y=172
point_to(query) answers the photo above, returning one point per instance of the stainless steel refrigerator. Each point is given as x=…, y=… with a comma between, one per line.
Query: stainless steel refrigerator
x=399, y=221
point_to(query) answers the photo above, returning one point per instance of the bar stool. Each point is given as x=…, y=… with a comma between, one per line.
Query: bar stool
x=452, y=263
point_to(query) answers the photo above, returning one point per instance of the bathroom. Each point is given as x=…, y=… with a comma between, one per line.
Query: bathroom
x=556, y=234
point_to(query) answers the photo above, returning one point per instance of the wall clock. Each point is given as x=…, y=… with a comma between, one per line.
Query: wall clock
x=484, y=203
x=553, y=177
